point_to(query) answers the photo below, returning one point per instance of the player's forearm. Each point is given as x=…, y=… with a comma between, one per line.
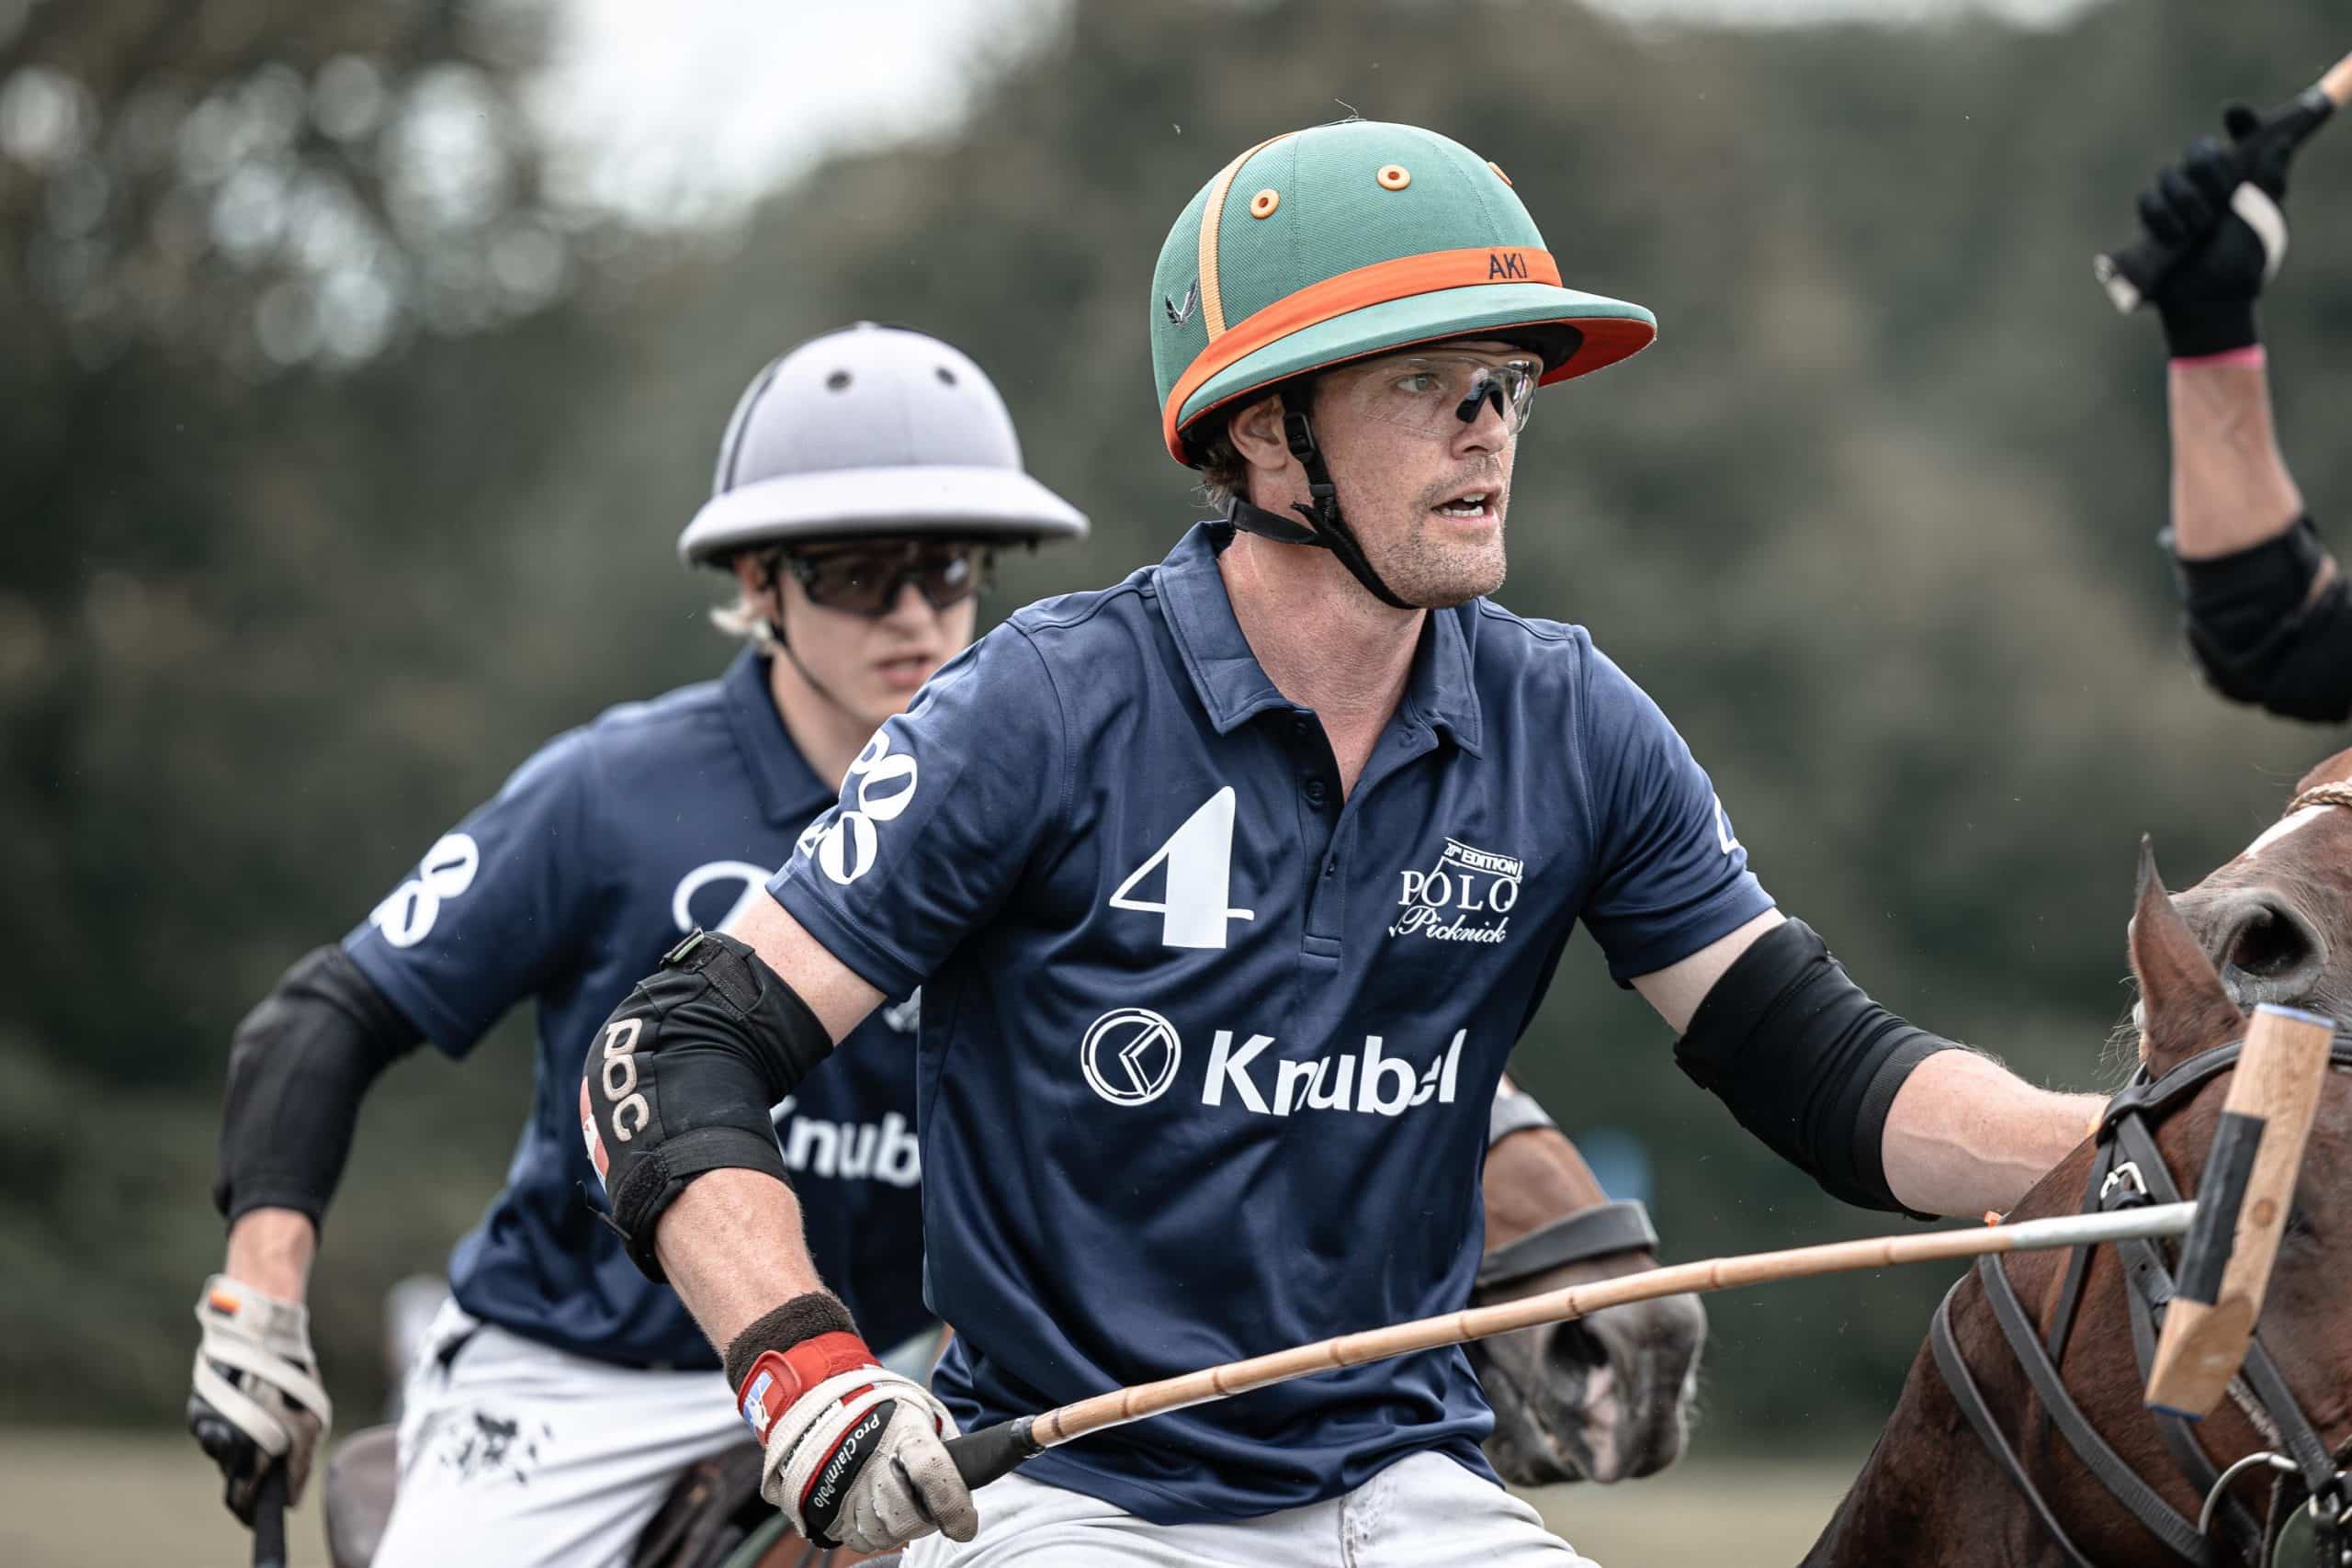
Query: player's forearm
x=731, y=1243
x=1965, y=1134
x=2231, y=489
x=271, y=1250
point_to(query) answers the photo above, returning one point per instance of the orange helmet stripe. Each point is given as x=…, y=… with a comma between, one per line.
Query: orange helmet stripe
x=1351, y=290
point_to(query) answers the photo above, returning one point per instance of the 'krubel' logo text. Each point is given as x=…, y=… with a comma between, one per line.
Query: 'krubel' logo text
x=848, y=1151
x=1130, y=1057
x=1468, y=897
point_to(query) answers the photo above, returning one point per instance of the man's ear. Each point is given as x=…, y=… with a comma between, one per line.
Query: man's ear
x=746, y=570
x=759, y=576
x=1256, y=434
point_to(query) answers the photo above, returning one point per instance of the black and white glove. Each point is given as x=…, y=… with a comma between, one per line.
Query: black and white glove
x=856, y=1454
x=257, y=1401
x=2217, y=215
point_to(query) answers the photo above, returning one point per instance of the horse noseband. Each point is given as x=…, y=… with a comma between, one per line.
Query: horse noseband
x=1623, y=1226
x=2306, y=1527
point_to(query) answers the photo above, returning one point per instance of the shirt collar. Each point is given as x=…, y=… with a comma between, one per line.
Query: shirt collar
x=1234, y=688
x=788, y=790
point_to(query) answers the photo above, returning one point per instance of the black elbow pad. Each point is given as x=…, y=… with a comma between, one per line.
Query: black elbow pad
x=298, y=1065
x=1806, y=1061
x=679, y=1080
x=2257, y=633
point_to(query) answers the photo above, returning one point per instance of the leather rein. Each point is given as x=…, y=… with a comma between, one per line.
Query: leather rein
x=2127, y=1171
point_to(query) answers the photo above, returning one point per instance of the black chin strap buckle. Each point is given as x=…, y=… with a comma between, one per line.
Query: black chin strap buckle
x=1324, y=508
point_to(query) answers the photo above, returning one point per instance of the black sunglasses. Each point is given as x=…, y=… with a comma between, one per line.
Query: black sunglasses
x=864, y=580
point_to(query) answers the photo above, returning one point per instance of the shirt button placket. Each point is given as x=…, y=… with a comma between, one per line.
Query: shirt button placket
x=1317, y=791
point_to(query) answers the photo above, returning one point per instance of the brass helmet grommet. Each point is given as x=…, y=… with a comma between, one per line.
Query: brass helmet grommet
x=1392, y=176
x=1263, y=205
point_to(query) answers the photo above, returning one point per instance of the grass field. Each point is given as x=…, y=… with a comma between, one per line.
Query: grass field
x=112, y=1500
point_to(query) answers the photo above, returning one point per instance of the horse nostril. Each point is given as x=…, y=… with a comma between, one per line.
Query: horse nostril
x=1569, y=1350
x=2270, y=940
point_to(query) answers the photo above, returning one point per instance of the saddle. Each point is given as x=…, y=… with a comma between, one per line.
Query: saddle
x=714, y=1516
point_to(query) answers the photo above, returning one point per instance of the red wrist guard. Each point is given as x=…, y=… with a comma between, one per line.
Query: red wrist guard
x=778, y=1378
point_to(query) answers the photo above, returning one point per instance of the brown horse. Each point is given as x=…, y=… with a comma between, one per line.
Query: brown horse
x=1599, y=1399
x=2277, y=919
x=1933, y=1494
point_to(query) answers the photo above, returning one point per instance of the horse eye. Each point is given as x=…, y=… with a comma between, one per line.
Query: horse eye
x=2299, y=1224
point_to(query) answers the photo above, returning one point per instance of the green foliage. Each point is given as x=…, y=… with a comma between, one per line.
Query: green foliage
x=1872, y=521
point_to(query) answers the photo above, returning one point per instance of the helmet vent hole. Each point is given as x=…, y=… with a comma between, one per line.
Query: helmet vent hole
x=1263, y=205
x=946, y=376
x=1392, y=176
x=838, y=380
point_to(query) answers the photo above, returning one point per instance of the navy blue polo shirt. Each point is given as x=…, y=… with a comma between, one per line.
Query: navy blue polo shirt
x=1206, y=1052
x=567, y=888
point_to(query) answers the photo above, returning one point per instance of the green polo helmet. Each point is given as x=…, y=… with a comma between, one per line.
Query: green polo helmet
x=1352, y=239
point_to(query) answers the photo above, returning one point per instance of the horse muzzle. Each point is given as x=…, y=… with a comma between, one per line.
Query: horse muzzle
x=1605, y=1399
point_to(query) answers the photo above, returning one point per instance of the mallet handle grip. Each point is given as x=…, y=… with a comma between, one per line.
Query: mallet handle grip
x=269, y=1519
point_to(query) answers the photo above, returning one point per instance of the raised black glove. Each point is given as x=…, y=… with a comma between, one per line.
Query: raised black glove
x=2215, y=220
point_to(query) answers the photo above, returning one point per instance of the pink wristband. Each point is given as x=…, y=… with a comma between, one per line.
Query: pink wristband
x=2251, y=356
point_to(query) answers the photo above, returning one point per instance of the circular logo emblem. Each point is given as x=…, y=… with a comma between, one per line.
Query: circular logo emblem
x=1130, y=1055
x=747, y=877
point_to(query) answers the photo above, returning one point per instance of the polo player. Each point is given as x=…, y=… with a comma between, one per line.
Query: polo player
x=1230, y=887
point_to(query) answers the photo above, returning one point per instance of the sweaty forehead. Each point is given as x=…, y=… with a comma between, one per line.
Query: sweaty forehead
x=1485, y=348
x=1491, y=352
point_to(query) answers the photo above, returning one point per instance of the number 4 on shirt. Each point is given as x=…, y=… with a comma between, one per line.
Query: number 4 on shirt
x=1199, y=858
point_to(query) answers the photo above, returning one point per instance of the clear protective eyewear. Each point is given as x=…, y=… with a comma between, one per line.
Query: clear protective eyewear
x=1438, y=393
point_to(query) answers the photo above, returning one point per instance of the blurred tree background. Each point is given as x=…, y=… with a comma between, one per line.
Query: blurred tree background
x=344, y=452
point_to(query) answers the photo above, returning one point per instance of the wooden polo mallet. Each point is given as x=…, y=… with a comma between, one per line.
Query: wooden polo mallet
x=2132, y=273
x=2242, y=1205
x=993, y=1451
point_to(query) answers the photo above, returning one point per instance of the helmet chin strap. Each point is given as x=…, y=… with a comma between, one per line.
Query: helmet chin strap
x=1329, y=530
x=784, y=643
x=776, y=631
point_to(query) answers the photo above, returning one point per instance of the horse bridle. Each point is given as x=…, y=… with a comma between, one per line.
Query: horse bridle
x=2312, y=1489
x=1597, y=1232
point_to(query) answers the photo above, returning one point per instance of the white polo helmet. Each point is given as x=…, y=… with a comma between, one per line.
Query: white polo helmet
x=866, y=431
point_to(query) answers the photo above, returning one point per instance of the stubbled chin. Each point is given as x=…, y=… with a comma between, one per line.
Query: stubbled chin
x=1461, y=590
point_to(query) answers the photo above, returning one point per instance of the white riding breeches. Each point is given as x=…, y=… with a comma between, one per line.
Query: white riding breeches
x=514, y=1454
x=1425, y=1511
